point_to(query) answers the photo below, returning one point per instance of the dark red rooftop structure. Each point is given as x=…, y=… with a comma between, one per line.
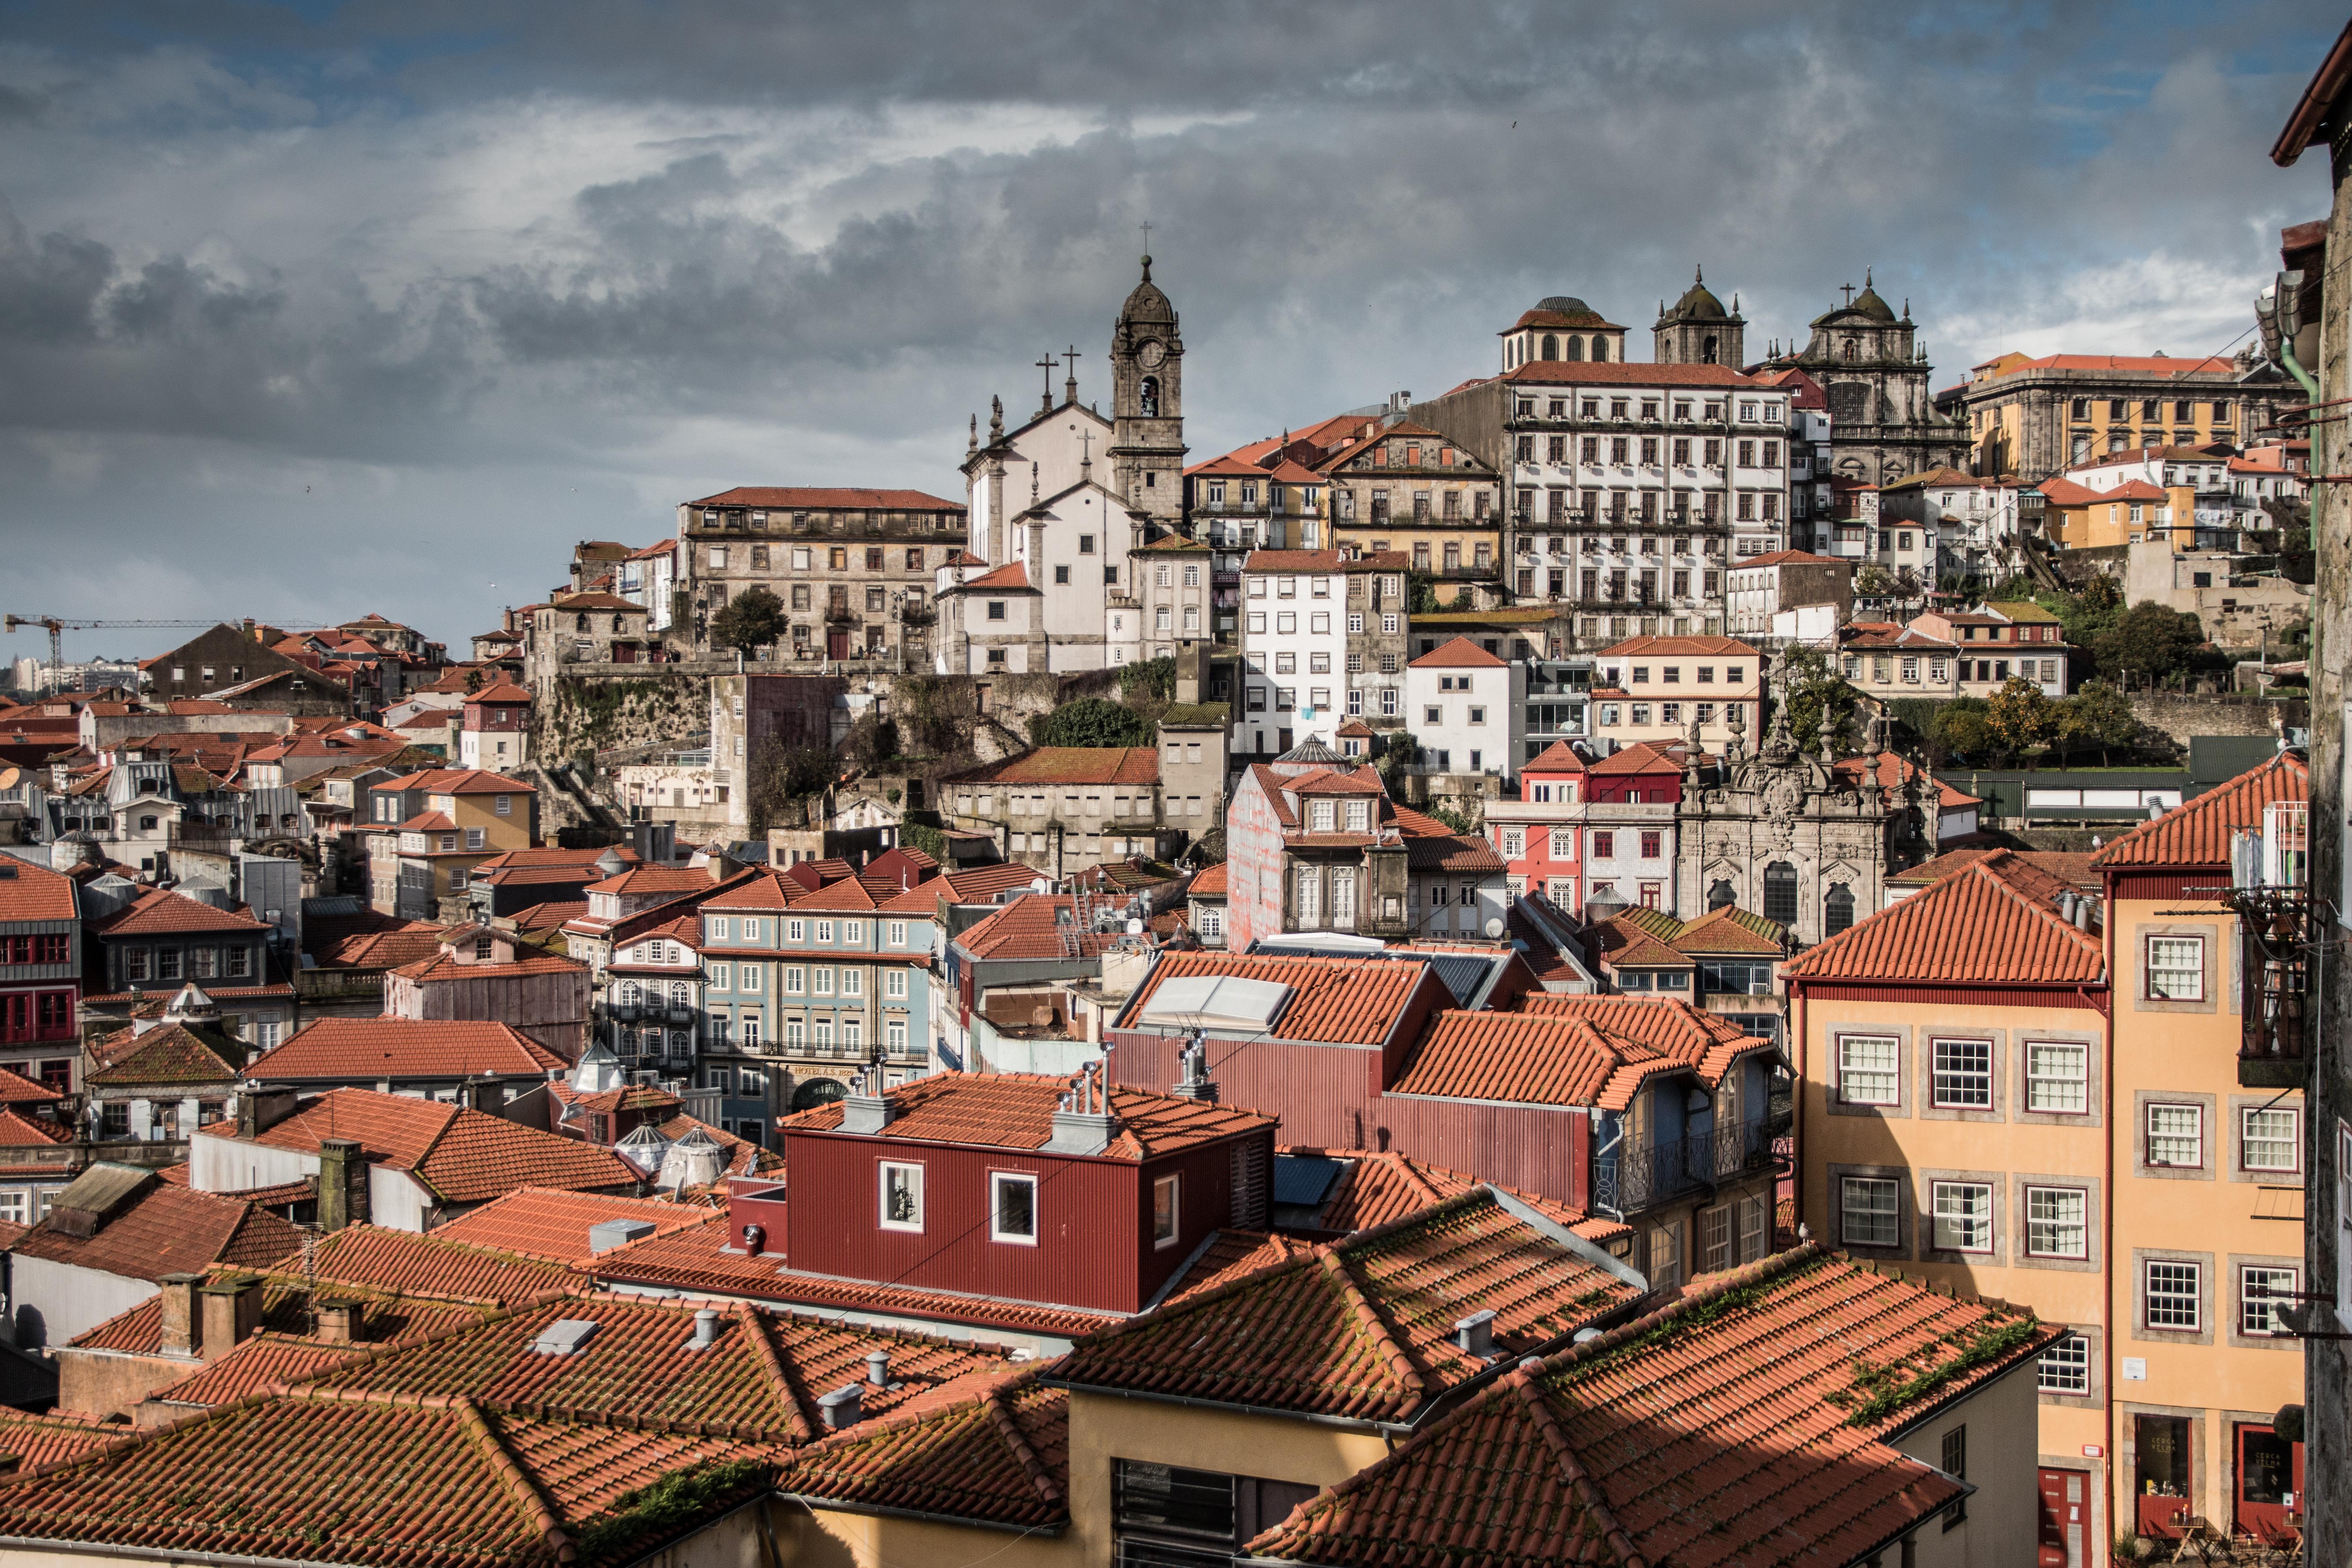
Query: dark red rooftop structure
x=1075, y=1192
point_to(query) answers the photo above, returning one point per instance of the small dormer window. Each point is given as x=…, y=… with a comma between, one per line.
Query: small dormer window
x=484, y=947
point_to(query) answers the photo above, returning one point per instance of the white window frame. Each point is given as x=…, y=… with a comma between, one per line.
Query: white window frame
x=721, y=929
x=1847, y=1209
x=2194, y=1271
x=1959, y=1077
x=894, y=986
x=2191, y=944
x=882, y=1194
x=796, y=980
x=1952, y=1205
x=2080, y=1080
x=1892, y=1072
x=748, y=979
x=2069, y=1358
x=796, y=930
x=2292, y=1140
x=997, y=1182
x=896, y=933
x=2050, y=1224
x=2148, y=1135
x=723, y=977
x=2258, y=1316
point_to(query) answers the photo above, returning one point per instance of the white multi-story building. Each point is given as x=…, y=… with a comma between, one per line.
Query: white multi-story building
x=1466, y=709
x=1970, y=522
x=1293, y=649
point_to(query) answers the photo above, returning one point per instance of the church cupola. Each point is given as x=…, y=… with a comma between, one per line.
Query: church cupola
x=1699, y=331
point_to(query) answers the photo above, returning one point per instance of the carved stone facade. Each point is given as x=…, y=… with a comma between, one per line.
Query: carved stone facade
x=1801, y=839
x=1884, y=425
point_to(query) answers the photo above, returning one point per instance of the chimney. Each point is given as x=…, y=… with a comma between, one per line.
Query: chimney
x=488, y=1096
x=232, y=1311
x=338, y=1320
x=706, y=1329
x=2082, y=914
x=865, y=1109
x=878, y=1368
x=843, y=1407
x=260, y=1107
x=1195, y=1083
x=1084, y=1124
x=342, y=1183
x=178, y=1301
x=1475, y=1335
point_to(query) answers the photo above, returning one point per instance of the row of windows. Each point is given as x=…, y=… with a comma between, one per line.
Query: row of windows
x=2149, y=408
x=1671, y=674
x=821, y=1032
x=1285, y=622
x=1750, y=412
x=1883, y=669
x=38, y=947
x=187, y=964
x=792, y=933
x=1013, y=1204
x=820, y=980
x=1638, y=714
x=1621, y=449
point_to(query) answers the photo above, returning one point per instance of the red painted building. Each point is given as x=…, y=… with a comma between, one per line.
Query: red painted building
x=991, y=1185
x=40, y=970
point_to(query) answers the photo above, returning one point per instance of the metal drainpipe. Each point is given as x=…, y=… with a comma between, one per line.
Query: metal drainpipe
x=1797, y=1113
x=2108, y=1296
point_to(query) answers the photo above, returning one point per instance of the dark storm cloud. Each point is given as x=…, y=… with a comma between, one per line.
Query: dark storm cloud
x=828, y=232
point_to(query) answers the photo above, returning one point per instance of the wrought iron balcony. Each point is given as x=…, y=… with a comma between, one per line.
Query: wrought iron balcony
x=1638, y=1176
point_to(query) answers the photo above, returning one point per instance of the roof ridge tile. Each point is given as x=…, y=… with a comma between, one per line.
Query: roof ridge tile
x=1376, y=1328
x=1572, y=1471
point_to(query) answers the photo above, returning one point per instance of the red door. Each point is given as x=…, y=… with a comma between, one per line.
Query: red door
x=2270, y=1482
x=836, y=645
x=2065, y=1502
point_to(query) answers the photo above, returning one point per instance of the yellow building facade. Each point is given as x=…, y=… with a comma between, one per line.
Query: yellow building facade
x=2025, y=1097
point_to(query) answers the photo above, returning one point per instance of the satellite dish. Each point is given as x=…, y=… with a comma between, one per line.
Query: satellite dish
x=1495, y=926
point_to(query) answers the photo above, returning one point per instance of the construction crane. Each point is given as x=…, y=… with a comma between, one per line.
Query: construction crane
x=58, y=626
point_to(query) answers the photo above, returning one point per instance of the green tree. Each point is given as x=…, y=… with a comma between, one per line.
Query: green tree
x=2150, y=640
x=1092, y=721
x=1960, y=731
x=783, y=780
x=1149, y=678
x=1420, y=594
x=1399, y=750
x=2018, y=717
x=2097, y=717
x=1818, y=694
x=753, y=618
x=1453, y=816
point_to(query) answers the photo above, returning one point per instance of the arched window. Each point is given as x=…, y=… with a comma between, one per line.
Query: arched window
x=680, y=997
x=1551, y=346
x=1576, y=348
x=1720, y=896
x=1837, y=910
x=1707, y=349
x=1150, y=397
x=579, y=623
x=631, y=993
x=1780, y=892
x=1601, y=347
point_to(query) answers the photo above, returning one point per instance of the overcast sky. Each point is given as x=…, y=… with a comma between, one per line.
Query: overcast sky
x=312, y=309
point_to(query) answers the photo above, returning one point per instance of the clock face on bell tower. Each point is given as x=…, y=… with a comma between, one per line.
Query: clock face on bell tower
x=1147, y=445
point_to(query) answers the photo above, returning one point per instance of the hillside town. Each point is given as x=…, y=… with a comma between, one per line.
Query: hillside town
x=1692, y=951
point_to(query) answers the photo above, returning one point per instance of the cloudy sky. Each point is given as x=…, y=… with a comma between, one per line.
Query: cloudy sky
x=312, y=309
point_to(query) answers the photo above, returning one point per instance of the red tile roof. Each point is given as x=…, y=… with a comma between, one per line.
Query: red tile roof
x=459, y=781
x=1377, y=1187
x=2146, y=365
x=1675, y=1029
x=1511, y=1057
x=1011, y=575
x=1974, y=927
x=552, y=1223
x=1034, y=926
x=167, y=1054
x=692, y=1259
x=262, y=1365
x=759, y=1380
x=452, y=1483
x=407, y=1264
x=1559, y=757
x=1338, y=1001
x=1131, y=765
x=463, y=1156
x=2198, y=834
x=164, y=1229
x=1742, y=1423
x=383, y=1047
x=1363, y=1330
x=1458, y=653
x=1641, y=757
x=15, y=1088
x=1898, y=773
x=34, y=1441
x=1001, y=1458
x=2038, y=873
x=1295, y=561
x=34, y=893
x=1788, y=558
x=160, y=910
x=818, y=498
x=446, y=966
x=1574, y=373
x=1015, y=1110
x=1210, y=883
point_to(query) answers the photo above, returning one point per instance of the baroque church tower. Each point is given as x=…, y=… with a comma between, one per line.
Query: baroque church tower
x=1147, y=379
x=1699, y=331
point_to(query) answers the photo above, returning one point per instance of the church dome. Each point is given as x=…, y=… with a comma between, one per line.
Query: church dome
x=1699, y=303
x=1564, y=304
x=1147, y=304
x=1869, y=304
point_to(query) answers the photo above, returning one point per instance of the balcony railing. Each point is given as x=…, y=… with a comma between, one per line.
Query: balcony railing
x=1640, y=1175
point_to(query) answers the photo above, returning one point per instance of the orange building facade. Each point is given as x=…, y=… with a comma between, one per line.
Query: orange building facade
x=2022, y=1094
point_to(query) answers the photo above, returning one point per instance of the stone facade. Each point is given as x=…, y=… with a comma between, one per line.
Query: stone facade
x=1146, y=375
x=1873, y=371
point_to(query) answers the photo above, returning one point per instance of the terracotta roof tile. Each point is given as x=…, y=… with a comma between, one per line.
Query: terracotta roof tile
x=15, y=1088
x=1377, y=1187
x=1971, y=928
x=1130, y=766
x=999, y=1459
x=35, y=1441
x=260, y=1364
x=552, y=1224
x=1363, y=1328
x=1338, y=1001
x=820, y=498
x=1670, y=1028
x=385, y=1048
x=34, y=893
x=167, y=1054
x=1559, y=757
x=2060, y=869
x=164, y=1229
x=459, y=1484
x=1732, y=1426
x=1511, y=1057
x=2198, y=834
x=448, y=966
x=1210, y=883
x=1458, y=653
x=161, y=909
x=1015, y=1110
x=693, y=1259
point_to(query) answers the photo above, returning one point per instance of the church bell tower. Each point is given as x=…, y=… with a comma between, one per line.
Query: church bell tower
x=1147, y=381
